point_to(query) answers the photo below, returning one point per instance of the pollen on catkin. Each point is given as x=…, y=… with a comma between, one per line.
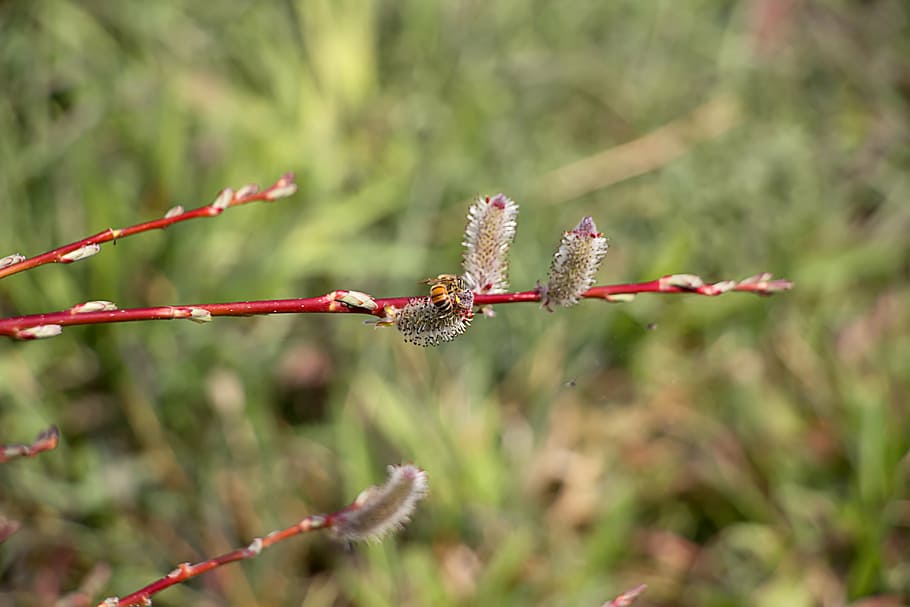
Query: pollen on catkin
x=491, y=228
x=424, y=324
x=379, y=511
x=575, y=264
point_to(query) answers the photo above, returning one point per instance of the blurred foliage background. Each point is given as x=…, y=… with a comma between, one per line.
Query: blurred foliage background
x=724, y=451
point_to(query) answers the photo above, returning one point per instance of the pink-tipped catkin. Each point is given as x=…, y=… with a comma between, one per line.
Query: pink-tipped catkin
x=424, y=324
x=575, y=264
x=491, y=228
x=379, y=511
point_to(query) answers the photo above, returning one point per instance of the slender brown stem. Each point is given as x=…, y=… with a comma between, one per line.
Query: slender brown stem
x=342, y=301
x=87, y=247
x=45, y=441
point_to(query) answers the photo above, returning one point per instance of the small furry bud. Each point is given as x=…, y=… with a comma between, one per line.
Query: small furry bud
x=11, y=259
x=247, y=190
x=762, y=283
x=93, y=306
x=40, y=332
x=200, y=315
x=682, y=281
x=174, y=211
x=721, y=287
x=575, y=264
x=487, y=238
x=763, y=277
x=255, y=546
x=620, y=297
x=81, y=253
x=283, y=188
x=380, y=510
x=224, y=199
x=356, y=299
x=424, y=324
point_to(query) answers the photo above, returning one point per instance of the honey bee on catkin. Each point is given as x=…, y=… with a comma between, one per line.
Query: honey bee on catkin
x=446, y=292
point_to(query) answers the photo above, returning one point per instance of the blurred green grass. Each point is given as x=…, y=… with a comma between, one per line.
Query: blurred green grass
x=746, y=451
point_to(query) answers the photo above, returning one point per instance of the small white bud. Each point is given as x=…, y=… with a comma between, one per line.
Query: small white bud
x=682, y=281
x=40, y=332
x=247, y=190
x=620, y=297
x=11, y=259
x=721, y=287
x=93, y=306
x=281, y=191
x=81, y=253
x=200, y=315
x=174, y=211
x=356, y=299
x=224, y=199
x=180, y=571
x=255, y=546
x=763, y=277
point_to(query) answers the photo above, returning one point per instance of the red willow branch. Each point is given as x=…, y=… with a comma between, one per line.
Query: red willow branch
x=36, y=326
x=45, y=441
x=82, y=249
x=375, y=513
x=626, y=598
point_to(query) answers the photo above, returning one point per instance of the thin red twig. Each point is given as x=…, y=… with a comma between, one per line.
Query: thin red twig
x=342, y=301
x=626, y=598
x=45, y=441
x=185, y=571
x=81, y=249
x=375, y=512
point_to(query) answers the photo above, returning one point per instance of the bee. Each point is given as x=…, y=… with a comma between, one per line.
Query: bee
x=446, y=292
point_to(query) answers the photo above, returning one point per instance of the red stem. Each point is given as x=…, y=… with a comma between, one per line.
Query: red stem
x=45, y=441
x=342, y=301
x=68, y=253
x=186, y=571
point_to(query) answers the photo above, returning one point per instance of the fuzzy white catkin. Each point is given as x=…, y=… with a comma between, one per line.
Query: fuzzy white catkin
x=492, y=221
x=575, y=264
x=423, y=324
x=382, y=510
